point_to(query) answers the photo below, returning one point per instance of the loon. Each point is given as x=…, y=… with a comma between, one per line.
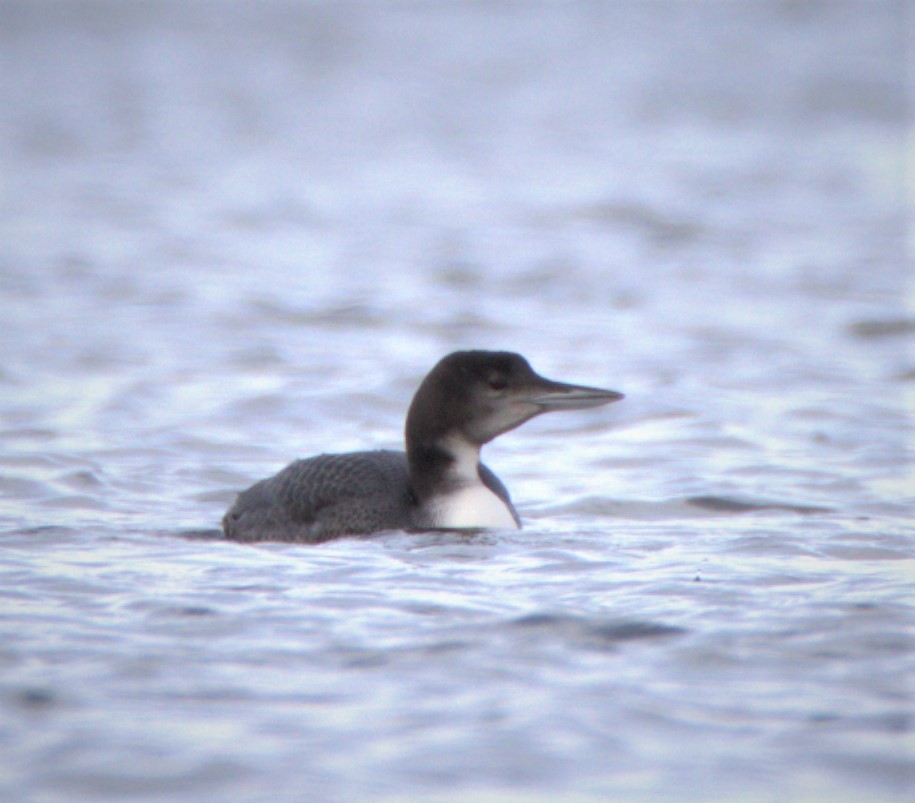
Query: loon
x=439, y=483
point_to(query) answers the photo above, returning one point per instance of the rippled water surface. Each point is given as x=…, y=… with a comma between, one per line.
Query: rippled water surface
x=234, y=234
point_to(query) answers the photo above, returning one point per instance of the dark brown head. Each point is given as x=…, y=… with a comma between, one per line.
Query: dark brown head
x=479, y=395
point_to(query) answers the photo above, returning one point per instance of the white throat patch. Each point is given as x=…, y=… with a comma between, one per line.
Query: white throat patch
x=471, y=505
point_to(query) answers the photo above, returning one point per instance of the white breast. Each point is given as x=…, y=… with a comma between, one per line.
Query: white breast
x=472, y=507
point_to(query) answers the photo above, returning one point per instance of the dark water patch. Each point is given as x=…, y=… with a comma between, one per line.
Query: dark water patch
x=591, y=506
x=195, y=611
x=724, y=504
x=34, y=698
x=591, y=633
x=163, y=779
x=46, y=530
x=210, y=534
x=40, y=434
x=255, y=588
x=656, y=225
x=879, y=329
x=447, y=647
x=364, y=659
x=82, y=480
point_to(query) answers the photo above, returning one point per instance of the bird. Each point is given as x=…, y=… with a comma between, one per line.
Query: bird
x=465, y=401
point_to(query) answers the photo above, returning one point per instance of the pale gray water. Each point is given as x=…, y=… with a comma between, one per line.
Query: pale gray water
x=233, y=234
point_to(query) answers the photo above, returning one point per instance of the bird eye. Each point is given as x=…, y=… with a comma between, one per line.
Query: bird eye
x=498, y=382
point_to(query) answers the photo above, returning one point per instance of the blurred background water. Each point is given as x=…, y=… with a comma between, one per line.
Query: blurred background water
x=237, y=233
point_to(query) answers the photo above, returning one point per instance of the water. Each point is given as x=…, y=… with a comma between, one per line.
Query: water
x=233, y=234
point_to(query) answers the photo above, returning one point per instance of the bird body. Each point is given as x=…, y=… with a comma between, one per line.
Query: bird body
x=467, y=399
